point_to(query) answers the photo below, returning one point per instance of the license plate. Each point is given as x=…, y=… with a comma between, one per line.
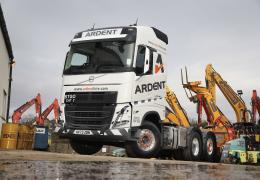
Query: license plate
x=82, y=132
x=70, y=98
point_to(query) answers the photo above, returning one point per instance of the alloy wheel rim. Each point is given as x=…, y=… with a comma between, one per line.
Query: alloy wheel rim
x=209, y=146
x=195, y=147
x=146, y=140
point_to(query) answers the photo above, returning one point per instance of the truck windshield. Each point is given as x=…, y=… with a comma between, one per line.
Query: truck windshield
x=99, y=57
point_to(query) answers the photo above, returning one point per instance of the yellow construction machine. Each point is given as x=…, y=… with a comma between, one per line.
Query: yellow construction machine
x=219, y=129
x=212, y=79
x=245, y=123
x=177, y=115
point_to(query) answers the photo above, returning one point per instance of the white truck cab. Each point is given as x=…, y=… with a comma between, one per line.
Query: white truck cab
x=113, y=91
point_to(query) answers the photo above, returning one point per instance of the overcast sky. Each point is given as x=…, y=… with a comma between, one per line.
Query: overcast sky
x=225, y=33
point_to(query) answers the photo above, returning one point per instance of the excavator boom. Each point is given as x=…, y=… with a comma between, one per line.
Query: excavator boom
x=212, y=79
x=55, y=107
x=212, y=110
x=178, y=116
x=16, y=117
x=216, y=119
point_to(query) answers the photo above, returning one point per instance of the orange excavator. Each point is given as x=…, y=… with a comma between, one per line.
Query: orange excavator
x=16, y=117
x=255, y=102
x=55, y=107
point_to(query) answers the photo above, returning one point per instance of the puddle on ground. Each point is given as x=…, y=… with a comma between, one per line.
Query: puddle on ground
x=122, y=170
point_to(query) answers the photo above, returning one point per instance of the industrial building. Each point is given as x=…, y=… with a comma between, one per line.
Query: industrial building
x=6, y=61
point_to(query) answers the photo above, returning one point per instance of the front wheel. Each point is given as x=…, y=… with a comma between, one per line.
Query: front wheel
x=147, y=144
x=84, y=148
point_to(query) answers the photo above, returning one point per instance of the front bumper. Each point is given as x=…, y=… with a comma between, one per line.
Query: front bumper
x=109, y=136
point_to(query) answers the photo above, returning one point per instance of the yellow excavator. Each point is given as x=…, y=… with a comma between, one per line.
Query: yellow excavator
x=212, y=79
x=219, y=129
x=205, y=141
x=245, y=124
x=217, y=121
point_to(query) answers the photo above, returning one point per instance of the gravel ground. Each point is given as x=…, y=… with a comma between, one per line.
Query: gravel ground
x=46, y=165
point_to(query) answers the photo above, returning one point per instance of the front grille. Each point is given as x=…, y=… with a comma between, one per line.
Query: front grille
x=94, y=113
x=91, y=97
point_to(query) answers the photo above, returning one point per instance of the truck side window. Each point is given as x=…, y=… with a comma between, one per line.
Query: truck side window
x=140, y=60
x=139, y=67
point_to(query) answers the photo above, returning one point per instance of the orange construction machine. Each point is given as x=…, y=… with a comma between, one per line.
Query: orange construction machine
x=56, y=109
x=16, y=117
x=40, y=117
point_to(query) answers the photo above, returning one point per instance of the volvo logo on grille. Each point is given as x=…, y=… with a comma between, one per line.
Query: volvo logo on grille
x=91, y=78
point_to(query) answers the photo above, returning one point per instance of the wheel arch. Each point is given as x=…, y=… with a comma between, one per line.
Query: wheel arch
x=196, y=129
x=210, y=133
x=154, y=117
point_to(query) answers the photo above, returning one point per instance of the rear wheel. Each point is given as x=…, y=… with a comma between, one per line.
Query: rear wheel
x=178, y=154
x=147, y=144
x=210, y=148
x=193, y=151
x=84, y=148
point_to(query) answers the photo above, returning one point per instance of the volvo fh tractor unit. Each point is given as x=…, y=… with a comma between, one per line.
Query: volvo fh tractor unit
x=114, y=88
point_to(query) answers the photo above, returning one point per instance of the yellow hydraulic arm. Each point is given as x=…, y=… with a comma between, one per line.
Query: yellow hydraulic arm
x=213, y=111
x=177, y=115
x=212, y=78
x=219, y=123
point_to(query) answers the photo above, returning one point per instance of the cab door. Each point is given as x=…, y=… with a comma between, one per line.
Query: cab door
x=147, y=88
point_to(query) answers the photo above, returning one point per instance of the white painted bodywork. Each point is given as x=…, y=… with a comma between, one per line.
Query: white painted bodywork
x=125, y=83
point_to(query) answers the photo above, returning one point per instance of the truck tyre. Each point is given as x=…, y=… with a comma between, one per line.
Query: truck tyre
x=165, y=154
x=210, y=148
x=193, y=151
x=148, y=142
x=84, y=148
x=178, y=154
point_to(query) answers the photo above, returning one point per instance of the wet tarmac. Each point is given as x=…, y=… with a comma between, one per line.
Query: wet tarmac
x=31, y=165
